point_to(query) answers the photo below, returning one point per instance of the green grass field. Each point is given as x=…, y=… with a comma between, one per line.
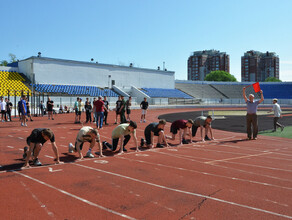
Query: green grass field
x=286, y=133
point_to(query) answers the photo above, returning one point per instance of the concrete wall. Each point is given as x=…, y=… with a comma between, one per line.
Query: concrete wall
x=57, y=71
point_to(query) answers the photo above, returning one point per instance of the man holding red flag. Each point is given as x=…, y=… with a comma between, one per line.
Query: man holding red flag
x=252, y=106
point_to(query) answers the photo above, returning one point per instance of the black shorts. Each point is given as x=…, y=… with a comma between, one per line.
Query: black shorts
x=147, y=135
x=173, y=130
x=117, y=111
x=128, y=111
x=3, y=111
x=77, y=112
x=28, y=141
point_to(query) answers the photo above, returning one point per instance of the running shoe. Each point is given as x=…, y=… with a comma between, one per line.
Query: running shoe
x=89, y=154
x=142, y=142
x=36, y=162
x=159, y=145
x=282, y=128
x=71, y=148
x=207, y=138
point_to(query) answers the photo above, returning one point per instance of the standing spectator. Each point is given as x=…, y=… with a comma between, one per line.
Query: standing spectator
x=23, y=110
x=50, y=106
x=8, y=109
x=277, y=114
x=76, y=109
x=94, y=113
x=19, y=109
x=3, y=109
x=203, y=122
x=88, y=110
x=42, y=107
x=28, y=109
x=99, y=108
x=123, y=110
x=144, y=106
x=251, y=116
x=128, y=108
x=118, y=106
x=106, y=110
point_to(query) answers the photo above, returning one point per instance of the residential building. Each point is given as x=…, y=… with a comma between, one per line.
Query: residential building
x=200, y=63
x=257, y=66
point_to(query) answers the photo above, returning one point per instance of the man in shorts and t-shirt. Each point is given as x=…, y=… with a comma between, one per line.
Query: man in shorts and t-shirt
x=184, y=127
x=50, y=106
x=203, y=122
x=155, y=129
x=144, y=106
x=86, y=134
x=35, y=141
x=123, y=133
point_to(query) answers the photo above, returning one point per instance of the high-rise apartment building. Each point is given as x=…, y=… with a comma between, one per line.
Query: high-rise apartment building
x=200, y=63
x=257, y=66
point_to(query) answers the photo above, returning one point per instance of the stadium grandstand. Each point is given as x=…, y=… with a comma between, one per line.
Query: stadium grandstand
x=64, y=80
x=12, y=84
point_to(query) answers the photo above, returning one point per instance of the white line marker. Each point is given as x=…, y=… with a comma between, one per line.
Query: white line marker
x=63, y=137
x=49, y=156
x=37, y=199
x=10, y=135
x=171, y=149
x=101, y=161
x=235, y=158
x=52, y=171
x=10, y=147
x=20, y=138
x=76, y=197
x=142, y=155
x=186, y=192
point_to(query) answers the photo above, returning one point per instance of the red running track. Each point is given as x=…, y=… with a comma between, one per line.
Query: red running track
x=228, y=178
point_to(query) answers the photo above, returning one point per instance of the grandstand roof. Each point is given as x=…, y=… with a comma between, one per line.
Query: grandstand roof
x=96, y=64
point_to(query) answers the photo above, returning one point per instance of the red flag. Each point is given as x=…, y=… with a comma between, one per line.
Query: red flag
x=256, y=87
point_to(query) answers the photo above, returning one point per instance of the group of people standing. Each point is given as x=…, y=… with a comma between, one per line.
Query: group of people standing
x=6, y=108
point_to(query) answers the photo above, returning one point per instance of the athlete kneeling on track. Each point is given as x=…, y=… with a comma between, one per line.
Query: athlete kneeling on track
x=123, y=133
x=184, y=127
x=86, y=134
x=155, y=129
x=203, y=122
x=35, y=142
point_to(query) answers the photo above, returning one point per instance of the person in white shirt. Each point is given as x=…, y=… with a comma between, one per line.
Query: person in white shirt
x=277, y=114
x=3, y=109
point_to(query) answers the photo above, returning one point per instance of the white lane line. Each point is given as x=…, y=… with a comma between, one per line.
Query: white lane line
x=20, y=138
x=42, y=205
x=186, y=192
x=235, y=158
x=63, y=137
x=216, y=165
x=10, y=135
x=76, y=197
x=10, y=147
x=49, y=156
x=62, y=145
x=209, y=174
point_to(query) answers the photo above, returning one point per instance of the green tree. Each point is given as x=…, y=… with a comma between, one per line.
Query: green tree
x=220, y=76
x=272, y=79
x=12, y=60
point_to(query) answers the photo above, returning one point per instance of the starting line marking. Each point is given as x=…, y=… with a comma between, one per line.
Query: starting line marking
x=52, y=171
x=234, y=158
x=101, y=161
x=10, y=147
x=142, y=155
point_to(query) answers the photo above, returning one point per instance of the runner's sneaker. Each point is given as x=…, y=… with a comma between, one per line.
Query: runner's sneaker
x=207, y=138
x=36, y=162
x=142, y=142
x=24, y=152
x=71, y=148
x=282, y=128
x=89, y=154
x=184, y=141
x=159, y=145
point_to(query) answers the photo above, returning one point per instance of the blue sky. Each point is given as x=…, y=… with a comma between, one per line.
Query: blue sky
x=147, y=32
